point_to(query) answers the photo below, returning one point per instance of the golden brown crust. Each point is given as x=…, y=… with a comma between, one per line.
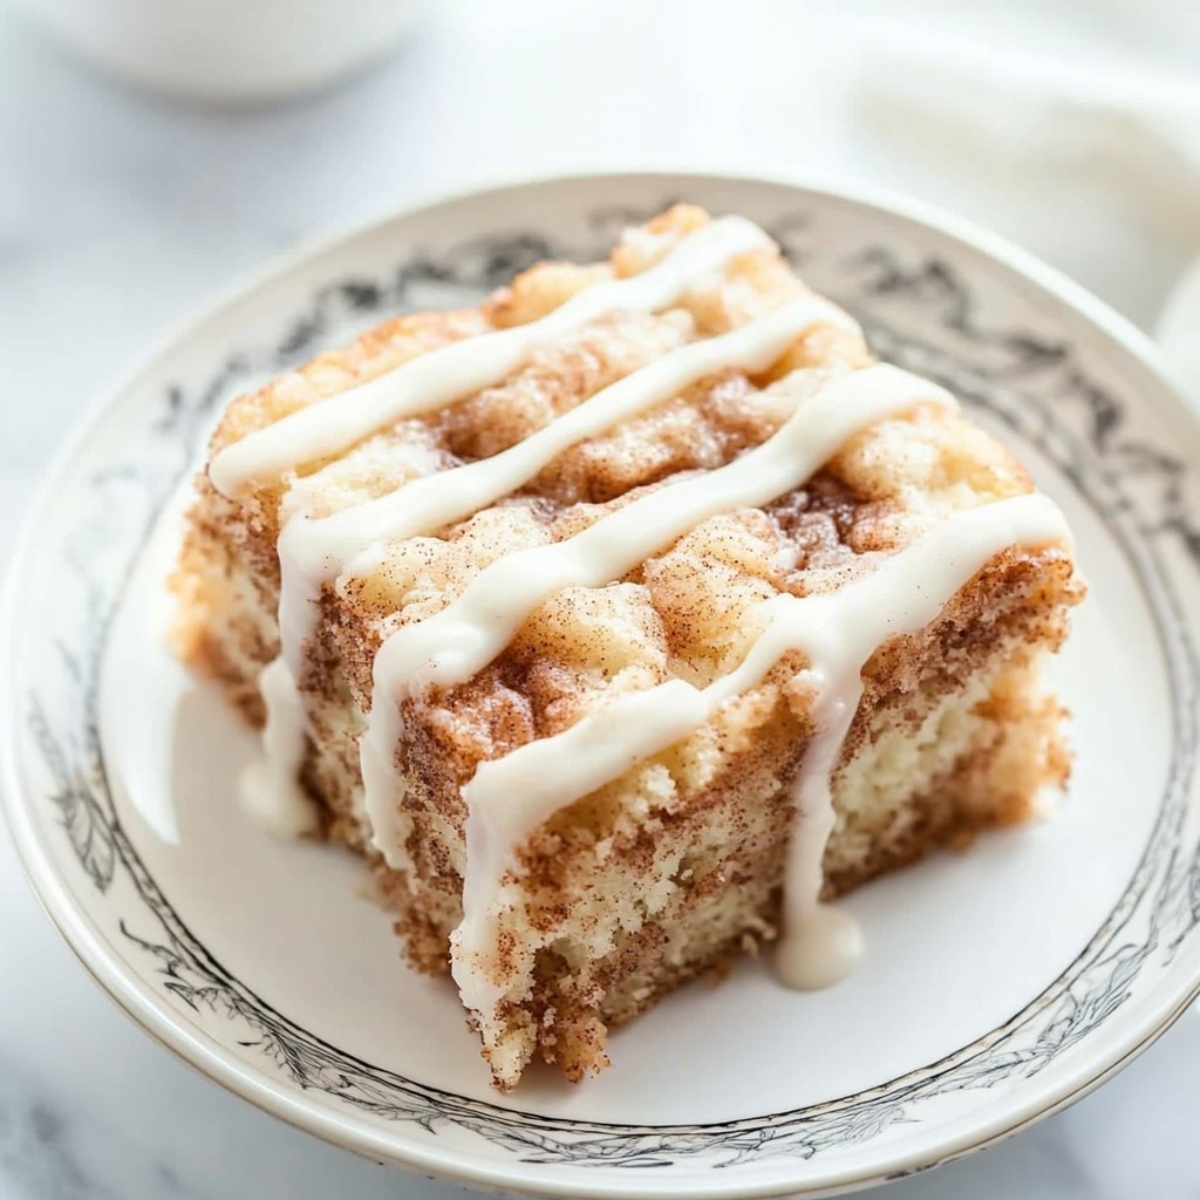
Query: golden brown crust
x=671, y=870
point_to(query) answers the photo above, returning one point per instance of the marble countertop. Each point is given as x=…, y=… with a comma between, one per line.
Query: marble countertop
x=119, y=214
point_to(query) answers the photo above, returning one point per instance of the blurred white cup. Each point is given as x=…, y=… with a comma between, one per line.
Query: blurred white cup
x=229, y=51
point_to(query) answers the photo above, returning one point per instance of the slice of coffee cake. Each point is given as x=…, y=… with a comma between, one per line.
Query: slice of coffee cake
x=624, y=622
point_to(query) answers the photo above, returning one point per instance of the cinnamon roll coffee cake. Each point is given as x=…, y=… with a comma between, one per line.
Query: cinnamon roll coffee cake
x=625, y=622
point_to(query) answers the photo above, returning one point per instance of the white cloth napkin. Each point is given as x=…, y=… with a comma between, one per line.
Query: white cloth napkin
x=1138, y=125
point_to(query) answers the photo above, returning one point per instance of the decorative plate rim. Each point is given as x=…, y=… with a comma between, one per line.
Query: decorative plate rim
x=135, y=997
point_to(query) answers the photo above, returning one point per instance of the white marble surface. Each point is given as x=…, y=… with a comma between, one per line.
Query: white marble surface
x=119, y=214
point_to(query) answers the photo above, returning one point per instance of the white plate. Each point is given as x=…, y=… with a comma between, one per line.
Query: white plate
x=999, y=985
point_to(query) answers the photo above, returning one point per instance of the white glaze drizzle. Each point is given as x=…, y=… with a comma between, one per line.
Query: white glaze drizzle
x=447, y=374
x=312, y=552
x=458, y=642
x=837, y=632
x=509, y=797
x=270, y=790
